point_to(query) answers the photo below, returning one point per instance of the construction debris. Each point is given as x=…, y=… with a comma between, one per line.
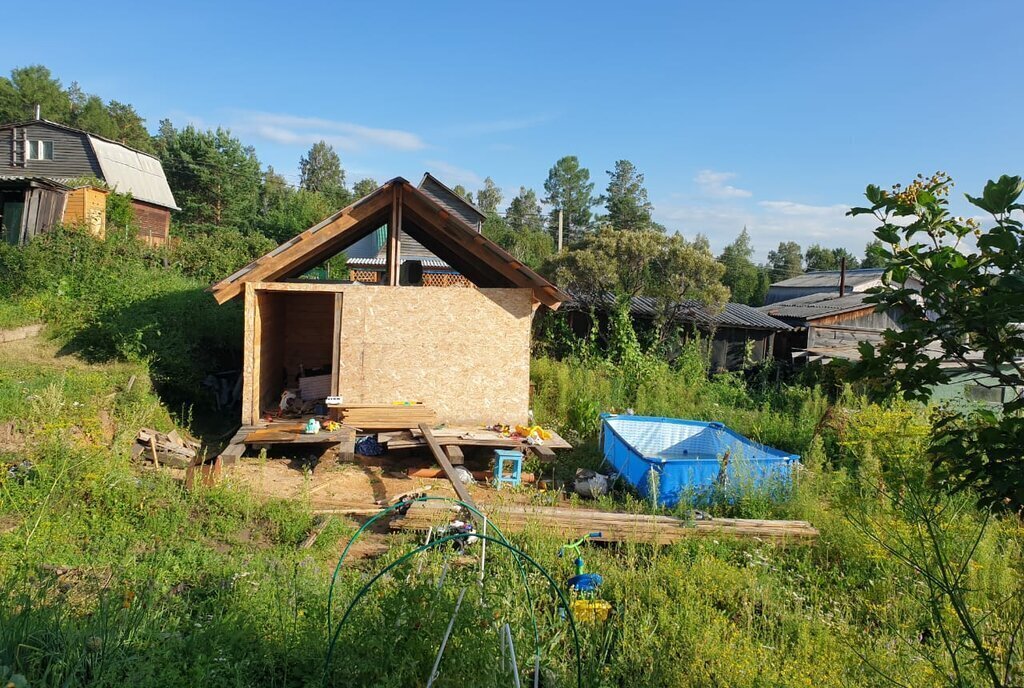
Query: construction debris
x=615, y=527
x=165, y=449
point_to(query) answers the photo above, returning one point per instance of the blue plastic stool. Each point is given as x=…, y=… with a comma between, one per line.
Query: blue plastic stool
x=515, y=459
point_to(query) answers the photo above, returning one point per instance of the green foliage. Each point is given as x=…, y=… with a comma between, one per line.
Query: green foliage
x=626, y=199
x=634, y=263
x=289, y=211
x=489, y=198
x=818, y=257
x=874, y=255
x=528, y=244
x=568, y=188
x=209, y=254
x=747, y=282
x=320, y=171
x=786, y=261
x=215, y=178
x=364, y=187
x=967, y=312
x=36, y=85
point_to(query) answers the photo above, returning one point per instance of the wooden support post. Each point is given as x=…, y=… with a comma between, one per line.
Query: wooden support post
x=443, y=461
x=545, y=454
x=455, y=455
x=394, y=247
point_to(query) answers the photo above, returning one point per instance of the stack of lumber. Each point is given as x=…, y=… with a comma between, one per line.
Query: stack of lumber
x=386, y=416
x=476, y=437
x=165, y=449
x=613, y=526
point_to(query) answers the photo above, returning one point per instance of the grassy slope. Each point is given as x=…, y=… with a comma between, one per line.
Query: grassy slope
x=110, y=576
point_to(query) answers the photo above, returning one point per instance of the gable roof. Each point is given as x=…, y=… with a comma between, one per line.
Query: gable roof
x=446, y=235
x=124, y=168
x=447, y=198
x=830, y=278
x=814, y=306
x=735, y=315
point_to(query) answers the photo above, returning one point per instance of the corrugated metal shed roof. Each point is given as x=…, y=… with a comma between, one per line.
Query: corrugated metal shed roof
x=47, y=181
x=382, y=262
x=816, y=306
x=830, y=278
x=735, y=315
x=130, y=171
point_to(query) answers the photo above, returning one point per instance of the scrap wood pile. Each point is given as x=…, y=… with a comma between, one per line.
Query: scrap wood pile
x=165, y=449
x=386, y=416
x=613, y=526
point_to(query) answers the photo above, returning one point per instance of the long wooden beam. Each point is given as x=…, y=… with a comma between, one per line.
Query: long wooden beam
x=449, y=470
x=394, y=243
x=280, y=262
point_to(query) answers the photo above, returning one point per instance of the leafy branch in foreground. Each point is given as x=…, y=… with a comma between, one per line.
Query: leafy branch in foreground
x=967, y=312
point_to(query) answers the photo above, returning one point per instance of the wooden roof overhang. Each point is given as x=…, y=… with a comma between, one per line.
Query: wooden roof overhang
x=396, y=203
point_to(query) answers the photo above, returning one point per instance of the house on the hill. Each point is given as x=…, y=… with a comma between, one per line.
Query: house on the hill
x=367, y=260
x=38, y=161
x=828, y=282
x=463, y=352
x=738, y=336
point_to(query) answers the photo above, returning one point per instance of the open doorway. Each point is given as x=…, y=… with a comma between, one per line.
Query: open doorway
x=294, y=346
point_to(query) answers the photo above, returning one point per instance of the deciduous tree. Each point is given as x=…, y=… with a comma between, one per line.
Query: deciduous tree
x=786, y=261
x=489, y=198
x=320, y=170
x=968, y=312
x=818, y=257
x=741, y=275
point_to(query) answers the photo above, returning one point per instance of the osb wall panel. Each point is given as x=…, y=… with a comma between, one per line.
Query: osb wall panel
x=464, y=352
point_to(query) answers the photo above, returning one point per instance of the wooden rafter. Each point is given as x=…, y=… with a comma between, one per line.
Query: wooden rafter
x=403, y=207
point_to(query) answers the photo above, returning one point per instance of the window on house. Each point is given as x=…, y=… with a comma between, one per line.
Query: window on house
x=40, y=150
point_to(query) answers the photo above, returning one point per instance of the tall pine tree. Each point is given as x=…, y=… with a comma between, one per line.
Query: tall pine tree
x=626, y=198
x=569, y=189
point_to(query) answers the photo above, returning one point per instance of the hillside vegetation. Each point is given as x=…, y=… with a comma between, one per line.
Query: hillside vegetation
x=111, y=575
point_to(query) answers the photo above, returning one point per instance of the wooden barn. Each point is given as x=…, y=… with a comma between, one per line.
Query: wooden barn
x=463, y=352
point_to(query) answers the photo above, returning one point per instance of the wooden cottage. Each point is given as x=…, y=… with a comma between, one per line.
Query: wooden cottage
x=43, y=150
x=463, y=352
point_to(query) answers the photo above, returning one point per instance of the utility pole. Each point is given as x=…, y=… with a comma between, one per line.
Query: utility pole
x=559, y=230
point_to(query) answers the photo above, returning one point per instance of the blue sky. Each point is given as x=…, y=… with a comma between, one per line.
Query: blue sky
x=770, y=114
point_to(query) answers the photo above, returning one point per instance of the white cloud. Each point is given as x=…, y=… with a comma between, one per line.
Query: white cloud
x=346, y=136
x=713, y=184
x=452, y=175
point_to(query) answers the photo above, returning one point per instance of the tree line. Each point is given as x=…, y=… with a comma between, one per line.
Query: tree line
x=233, y=204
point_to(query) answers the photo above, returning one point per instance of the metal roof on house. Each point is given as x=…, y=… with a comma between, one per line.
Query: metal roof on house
x=129, y=171
x=735, y=315
x=830, y=278
x=434, y=263
x=124, y=168
x=814, y=306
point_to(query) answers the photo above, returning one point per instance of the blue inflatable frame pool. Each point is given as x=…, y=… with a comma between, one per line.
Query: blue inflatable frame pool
x=684, y=456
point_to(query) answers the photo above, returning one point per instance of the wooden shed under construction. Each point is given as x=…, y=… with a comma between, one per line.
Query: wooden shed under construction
x=464, y=352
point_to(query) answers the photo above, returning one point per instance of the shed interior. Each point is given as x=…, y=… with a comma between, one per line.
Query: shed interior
x=296, y=338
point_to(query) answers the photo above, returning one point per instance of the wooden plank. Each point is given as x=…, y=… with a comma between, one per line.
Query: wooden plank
x=455, y=454
x=618, y=527
x=273, y=266
x=449, y=470
x=339, y=300
x=394, y=245
x=250, y=367
x=545, y=453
